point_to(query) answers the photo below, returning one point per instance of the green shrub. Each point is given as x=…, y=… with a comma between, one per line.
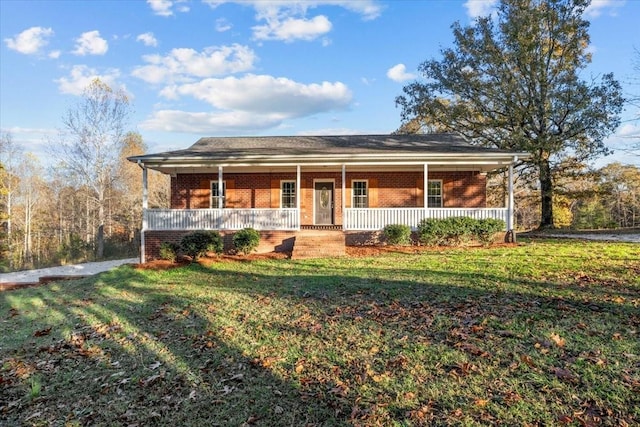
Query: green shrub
x=198, y=243
x=397, y=234
x=431, y=232
x=457, y=230
x=246, y=240
x=485, y=229
x=169, y=251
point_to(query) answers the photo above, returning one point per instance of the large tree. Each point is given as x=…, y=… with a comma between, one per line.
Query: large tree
x=513, y=81
x=90, y=143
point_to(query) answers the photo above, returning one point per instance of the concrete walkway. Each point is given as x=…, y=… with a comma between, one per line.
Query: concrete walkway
x=80, y=270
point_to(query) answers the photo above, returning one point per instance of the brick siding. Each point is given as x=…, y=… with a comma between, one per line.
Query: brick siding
x=387, y=189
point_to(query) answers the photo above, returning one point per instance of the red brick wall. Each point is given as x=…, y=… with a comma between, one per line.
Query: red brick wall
x=387, y=189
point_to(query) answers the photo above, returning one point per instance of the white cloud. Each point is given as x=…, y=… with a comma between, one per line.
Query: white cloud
x=164, y=7
x=210, y=123
x=398, y=73
x=81, y=76
x=264, y=94
x=478, y=8
x=248, y=104
x=291, y=29
x=90, y=43
x=184, y=63
x=286, y=19
x=597, y=7
x=332, y=131
x=54, y=54
x=161, y=7
x=222, y=25
x=30, y=41
x=148, y=39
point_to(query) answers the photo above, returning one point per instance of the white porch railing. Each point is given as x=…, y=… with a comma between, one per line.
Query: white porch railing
x=288, y=219
x=221, y=219
x=378, y=218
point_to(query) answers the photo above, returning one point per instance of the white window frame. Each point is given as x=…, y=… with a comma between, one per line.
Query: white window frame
x=353, y=193
x=221, y=199
x=439, y=196
x=282, y=193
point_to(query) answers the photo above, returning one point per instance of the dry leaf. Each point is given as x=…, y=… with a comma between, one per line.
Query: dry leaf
x=42, y=332
x=558, y=340
x=481, y=403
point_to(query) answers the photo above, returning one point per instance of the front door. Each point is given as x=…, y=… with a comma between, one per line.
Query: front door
x=323, y=209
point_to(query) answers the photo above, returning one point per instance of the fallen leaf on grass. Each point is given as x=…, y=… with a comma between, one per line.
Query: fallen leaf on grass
x=42, y=332
x=13, y=312
x=558, y=340
x=481, y=403
x=527, y=360
x=564, y=374
x=472, y=349
x=150, y=380
x=565, y=419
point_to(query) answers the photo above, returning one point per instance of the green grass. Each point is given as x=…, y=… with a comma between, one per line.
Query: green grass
x=546, y=333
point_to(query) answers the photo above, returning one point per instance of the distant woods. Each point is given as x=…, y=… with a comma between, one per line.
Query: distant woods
x=49, y=219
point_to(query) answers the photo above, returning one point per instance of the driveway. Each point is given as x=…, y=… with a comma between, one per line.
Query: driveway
x=609, y=237
x=86, y=269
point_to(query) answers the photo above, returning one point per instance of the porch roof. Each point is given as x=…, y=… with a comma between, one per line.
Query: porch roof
x=273, y=151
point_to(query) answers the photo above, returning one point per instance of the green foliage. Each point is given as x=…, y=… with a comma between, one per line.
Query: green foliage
x=592, y=215
x=74, y=250
x=198, y=243
x=484, y=230
x=246, y=240
x=513, y=81
x=397, y=234
x=457, y=230
x=169, y=251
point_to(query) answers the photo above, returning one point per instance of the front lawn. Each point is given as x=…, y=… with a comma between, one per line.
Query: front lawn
x=546, y=333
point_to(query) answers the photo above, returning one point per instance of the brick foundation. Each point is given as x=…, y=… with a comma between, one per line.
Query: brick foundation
x=270, y=241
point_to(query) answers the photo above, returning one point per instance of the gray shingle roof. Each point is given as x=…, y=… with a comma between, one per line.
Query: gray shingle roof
x=224, y=148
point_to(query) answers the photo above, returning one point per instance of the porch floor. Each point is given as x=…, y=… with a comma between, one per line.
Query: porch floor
x=315, y=243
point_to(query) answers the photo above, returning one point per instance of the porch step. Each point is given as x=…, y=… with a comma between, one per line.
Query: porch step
x=318, y=244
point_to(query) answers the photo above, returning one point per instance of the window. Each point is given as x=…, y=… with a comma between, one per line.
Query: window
x=360, y=194
x=287, y=194
x=217, y=197
x=434, y=194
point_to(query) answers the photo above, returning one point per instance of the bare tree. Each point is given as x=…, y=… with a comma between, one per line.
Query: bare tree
x=10, y=155
x=90, y=143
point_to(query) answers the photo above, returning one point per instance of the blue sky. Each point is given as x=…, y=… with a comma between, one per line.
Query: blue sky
x=216, y=68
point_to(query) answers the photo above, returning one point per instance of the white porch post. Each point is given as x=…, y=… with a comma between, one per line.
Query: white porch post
x=220, y=189
x=344, y=193
x=145, y=205
x=425, y=192
x=298, y=195
x=510, y=206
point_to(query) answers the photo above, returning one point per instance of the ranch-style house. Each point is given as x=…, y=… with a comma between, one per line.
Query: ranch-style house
x=336, y=189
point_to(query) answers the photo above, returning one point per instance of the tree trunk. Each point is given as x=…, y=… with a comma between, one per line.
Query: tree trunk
x=100, y=237
x=546, y=194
